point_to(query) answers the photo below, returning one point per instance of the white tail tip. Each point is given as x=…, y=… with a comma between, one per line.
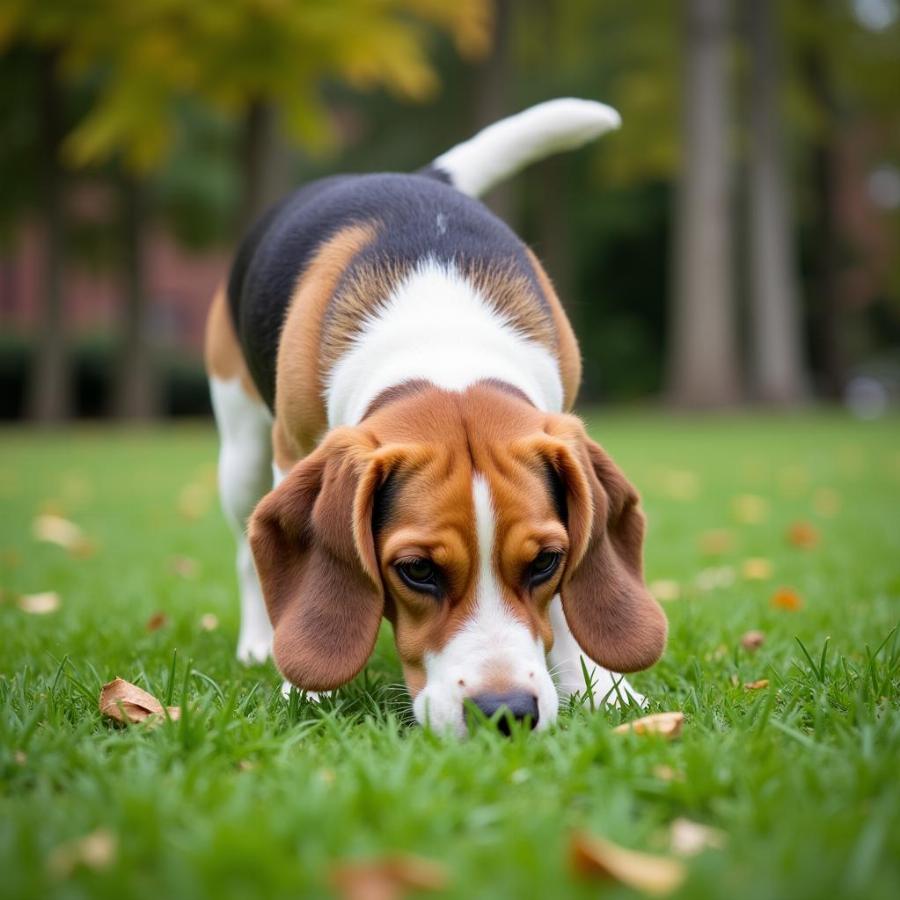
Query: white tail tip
x=507, y=146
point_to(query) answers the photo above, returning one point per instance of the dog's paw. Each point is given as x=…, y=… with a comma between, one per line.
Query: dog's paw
x=253, y=651
x=314, y=696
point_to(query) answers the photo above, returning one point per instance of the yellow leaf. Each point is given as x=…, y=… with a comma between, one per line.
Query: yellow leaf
x=666, y=724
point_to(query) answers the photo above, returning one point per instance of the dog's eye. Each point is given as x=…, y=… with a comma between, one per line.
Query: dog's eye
x=419, y=574
x=543, y=566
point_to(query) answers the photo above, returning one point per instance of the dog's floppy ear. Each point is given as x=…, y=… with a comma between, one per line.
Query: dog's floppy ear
x=609, y=610
x=315, y=556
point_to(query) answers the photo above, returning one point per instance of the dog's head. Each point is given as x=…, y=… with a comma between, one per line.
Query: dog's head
x=458, y=517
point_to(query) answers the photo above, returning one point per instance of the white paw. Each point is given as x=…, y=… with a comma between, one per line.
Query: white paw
x=315, y=696
x=253, y=651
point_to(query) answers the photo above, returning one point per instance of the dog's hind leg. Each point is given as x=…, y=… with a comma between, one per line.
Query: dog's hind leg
x=569, y=664
x=245, y=468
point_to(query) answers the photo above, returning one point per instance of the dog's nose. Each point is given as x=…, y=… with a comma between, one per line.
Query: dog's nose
x=518, y=705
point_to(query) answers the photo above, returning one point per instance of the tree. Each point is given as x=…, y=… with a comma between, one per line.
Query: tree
x=49, y=398
x=703, y=362
x=777, y=366
x=246, y=59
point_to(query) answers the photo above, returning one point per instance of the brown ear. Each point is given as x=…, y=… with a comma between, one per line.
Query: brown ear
x=312, y=544
x=612, y=615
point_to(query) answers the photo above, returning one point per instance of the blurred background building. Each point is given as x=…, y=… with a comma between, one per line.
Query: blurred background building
x=734, y=244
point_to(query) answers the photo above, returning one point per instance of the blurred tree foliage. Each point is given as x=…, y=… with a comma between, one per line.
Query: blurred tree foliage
x=171, y=92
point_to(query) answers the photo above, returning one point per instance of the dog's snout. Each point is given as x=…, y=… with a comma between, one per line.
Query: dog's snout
x=518, y=705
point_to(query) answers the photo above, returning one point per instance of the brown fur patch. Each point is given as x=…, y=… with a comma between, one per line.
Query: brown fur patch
x=221, y=351
x=566, y=343
x=506, y=290
x=301, y=364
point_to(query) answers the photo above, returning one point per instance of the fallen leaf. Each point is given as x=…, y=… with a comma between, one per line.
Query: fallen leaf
x=387, y=878
x=246, y=765
x=826, y=502
x=715, y=577
x=756, y=685
x=688, y=838
x=803, y=535
x=20, y=758
x=156, y=621
x=184, y=566
x=787, y=599
x=594, y=857
x=53, y=529
x=96, y=851
x=716, y=542
x=667, y=724
x=39, y=604
x=756, y=568
x=679, y=484
x=667, y=773
x=209, y=621
x=750, y=509
x=127, y=703
x=753, y=640
x=194, y=500
x=665, y=590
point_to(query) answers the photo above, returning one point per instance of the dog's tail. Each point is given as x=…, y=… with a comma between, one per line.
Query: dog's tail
x=502, y=149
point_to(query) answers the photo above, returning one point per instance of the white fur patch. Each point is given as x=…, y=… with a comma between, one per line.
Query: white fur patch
x=245, y=466
x=436, y=326
x=502, y=149
x=493, y=644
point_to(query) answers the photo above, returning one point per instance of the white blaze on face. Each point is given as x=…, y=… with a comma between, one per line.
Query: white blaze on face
x=492, y=648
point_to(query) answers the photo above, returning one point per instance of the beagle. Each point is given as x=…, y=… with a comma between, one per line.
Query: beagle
x=398, y=359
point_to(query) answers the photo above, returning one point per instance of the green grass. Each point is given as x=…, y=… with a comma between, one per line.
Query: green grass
x=253, y=796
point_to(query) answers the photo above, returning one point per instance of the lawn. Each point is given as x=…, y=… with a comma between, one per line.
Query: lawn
x=250, y=795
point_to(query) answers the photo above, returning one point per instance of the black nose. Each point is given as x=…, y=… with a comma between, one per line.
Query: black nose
x=518, y=705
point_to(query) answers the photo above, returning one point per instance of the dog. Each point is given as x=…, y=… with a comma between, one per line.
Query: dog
x=393, y=359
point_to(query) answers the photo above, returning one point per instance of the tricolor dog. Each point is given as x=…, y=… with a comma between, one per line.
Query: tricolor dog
x=398, y=358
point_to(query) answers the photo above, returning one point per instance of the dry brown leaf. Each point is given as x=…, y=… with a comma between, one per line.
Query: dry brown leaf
x=39, y=604
x=665, y=589
x=757, y=685
x=667, y=773
x=127, y=703
x=184, y=566
x=803, y=535
x=387, y=878
x=156, y=621
x=688, y=838
x=20, y=757
x=787, y=599
x=593, y=857
x=756, y=568
x=666, y=724
x=96, y=850
x=750, y=509
x=209, y=621
x=753, y=640
x=716, y=542
x=53, y=529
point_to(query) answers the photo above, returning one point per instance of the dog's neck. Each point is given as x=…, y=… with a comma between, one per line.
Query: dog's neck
x=438, y=328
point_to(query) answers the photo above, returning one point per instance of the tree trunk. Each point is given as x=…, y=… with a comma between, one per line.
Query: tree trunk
x=49, y=393
x=778, y=370
x=137, y=394
x=825, y=307
x=492, y=80
x=703, y=366
x=264, y=162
